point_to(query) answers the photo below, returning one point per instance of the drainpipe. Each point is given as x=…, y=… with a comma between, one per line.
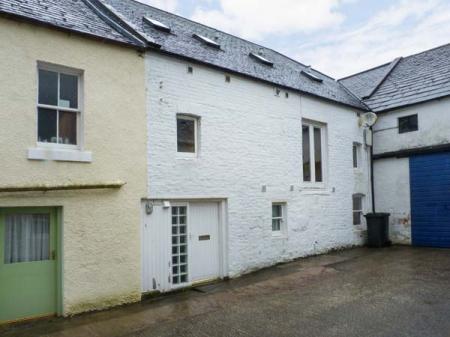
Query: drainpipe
x=372, y=181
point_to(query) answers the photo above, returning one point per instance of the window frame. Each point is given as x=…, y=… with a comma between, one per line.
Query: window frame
x=196, y=121
x=283, y=219
x=57, y=108
x=400, y=131
x=361, y=211
x=324, y=154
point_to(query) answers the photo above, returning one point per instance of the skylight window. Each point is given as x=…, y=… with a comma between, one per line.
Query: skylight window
x=311, y=76
x=261, y=59
x=207, y=40
x=157, y=24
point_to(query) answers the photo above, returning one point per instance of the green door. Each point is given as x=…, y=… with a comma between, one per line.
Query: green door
x=28, y=279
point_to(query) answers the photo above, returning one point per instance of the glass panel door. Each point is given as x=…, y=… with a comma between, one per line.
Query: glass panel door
x=179, y=245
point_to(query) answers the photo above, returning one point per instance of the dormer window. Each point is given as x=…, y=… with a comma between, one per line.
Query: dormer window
x=207, y=41
x=157, y=24
x=311, y=76
x=261, y=59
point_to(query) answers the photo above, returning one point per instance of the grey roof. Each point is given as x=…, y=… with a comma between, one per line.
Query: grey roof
x=233, y=54
x=75, y=15
x=413, y=79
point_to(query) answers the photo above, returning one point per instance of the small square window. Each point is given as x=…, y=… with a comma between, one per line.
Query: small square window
x=408, y=124
x=186, y=134
x=278, y=218
x=357, y=209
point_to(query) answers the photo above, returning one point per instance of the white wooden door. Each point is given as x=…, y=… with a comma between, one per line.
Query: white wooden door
x=156, y=236
x=204, y=247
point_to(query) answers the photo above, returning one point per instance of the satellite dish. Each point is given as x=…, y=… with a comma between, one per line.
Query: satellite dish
x=368, y=119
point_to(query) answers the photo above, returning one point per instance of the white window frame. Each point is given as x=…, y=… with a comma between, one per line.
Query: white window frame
x=195, y=119
x=358, y=147
x=324, y=152
x=283, y=219
x=80, y=116
x=362, y=196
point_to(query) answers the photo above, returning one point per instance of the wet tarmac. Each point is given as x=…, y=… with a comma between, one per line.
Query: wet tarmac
x=397, y=291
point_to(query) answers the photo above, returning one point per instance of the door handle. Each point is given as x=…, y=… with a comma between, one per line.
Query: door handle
x=53, y=254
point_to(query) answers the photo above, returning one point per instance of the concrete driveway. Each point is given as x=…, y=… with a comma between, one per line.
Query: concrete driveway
x=398, y=291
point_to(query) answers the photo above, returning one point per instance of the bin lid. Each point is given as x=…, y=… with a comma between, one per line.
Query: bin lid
x=377, y=215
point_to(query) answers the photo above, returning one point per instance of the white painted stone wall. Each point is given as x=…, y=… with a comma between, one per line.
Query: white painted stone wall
x=392, y=195
x=392, y=188
x=434, y=123
x=250, y=138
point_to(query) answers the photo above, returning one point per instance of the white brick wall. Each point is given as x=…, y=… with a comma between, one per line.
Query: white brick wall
x=392, y=189
x=250, y=138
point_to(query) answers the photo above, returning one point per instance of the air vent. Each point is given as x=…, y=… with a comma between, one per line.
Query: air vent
x=157, y=24
x=311, y=76
x=261, y=59
x=207, y=41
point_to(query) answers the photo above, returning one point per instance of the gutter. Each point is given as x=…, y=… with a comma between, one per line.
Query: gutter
x=63, y=187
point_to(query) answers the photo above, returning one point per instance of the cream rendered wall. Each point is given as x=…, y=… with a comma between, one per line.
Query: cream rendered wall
x=101, y=229
x=250, y=138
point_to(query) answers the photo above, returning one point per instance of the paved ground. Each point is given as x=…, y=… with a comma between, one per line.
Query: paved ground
x=398, y=291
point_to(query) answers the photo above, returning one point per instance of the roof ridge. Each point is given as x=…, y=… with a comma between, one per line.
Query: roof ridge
x=388, y=63
x=389, y=70
x=234, y=36
x=365, y=71
x=428, y=50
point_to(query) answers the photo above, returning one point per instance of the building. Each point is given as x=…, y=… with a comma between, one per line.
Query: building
x=411, y=143
x=226, y=119
x=146, y=152
x=73, y=144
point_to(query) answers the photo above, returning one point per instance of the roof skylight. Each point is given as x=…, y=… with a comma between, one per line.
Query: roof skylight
x=157, y=24
x=261, y=59
x=207, y=40
x=311, y=76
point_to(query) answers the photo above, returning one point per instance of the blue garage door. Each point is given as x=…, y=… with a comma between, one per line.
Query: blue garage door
x=430, y=199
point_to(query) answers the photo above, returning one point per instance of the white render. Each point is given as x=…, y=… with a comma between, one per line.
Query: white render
x=250, y=154
x=392, y=188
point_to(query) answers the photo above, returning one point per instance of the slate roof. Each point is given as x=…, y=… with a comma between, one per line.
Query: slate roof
x=74, y=15
x=233, y=54
x=414, y=79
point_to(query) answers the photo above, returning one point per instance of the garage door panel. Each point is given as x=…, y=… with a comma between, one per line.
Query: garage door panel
x=430, y=199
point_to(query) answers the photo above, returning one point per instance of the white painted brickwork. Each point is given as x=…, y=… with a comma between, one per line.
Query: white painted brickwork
x=249, y=138
x=392, y=188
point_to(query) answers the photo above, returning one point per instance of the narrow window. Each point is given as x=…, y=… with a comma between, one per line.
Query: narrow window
x=186, y=134
x=278, y=218
x=313, y=137
x=306, y=155
x=58, y=108
x=357, y=209
x=356, y=155
x=408, y=124
x=318, y=153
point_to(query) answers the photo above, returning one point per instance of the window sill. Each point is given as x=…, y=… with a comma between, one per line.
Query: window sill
x=310, y=190
x=276, y=235
x=59, y=155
